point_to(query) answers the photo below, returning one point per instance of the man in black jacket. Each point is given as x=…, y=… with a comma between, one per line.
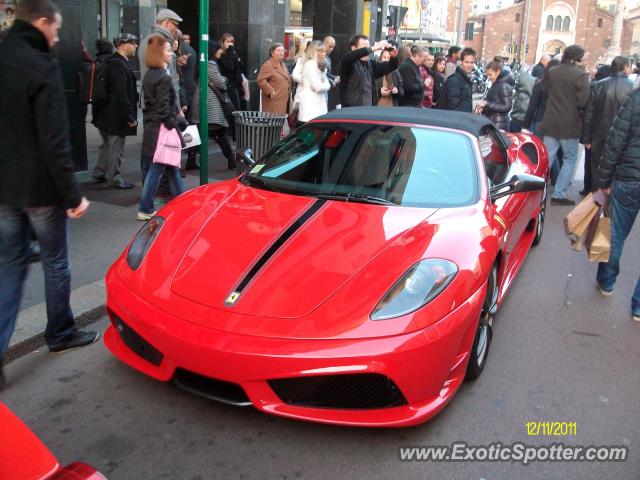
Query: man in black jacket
x=620, y=166
x=458, y=93
x=538, y=70
x=38, y=189
x=118, y=118
x=411, y=79
x=605, y=100
x=358, y=72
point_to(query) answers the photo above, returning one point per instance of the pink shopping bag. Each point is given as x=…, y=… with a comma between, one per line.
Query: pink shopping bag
x=169, y=148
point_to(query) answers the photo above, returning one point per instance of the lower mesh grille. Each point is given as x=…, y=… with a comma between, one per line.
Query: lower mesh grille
x=211, y=388
x=135, y=342
x=357, y=391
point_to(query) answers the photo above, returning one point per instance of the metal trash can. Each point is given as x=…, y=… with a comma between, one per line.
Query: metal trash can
x=258, y=131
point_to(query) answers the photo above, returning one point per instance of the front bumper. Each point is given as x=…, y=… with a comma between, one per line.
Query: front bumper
x=426, y=366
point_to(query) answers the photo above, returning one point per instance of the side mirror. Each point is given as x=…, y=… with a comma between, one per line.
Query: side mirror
x=519, y=183
x=246, y=157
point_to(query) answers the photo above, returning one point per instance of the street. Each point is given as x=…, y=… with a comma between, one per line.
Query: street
x=561, y=352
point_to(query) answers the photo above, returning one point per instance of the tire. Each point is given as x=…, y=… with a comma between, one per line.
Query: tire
x=540, y=219
x=484, y=332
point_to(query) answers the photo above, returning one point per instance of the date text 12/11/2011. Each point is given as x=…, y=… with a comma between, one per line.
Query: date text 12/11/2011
x=551, y=429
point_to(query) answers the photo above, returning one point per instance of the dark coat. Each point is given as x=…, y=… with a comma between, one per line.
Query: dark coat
x=458, y=94
x=537, y=105
x=438, y=87
x=537, y=71
x=499, y=101
x=122, y=108
x=607, y=96
x=621, y=155
x=188, y=72
x=348, y=89
x=413, y=85
x=231, y=69
x=568, y=95
x=159, y=107
x=36, y=167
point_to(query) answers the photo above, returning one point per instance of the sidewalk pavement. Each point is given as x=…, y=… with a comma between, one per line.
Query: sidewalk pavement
x=95, y=241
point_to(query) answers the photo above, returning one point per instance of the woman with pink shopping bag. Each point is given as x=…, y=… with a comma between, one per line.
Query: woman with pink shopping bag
x=161, y=142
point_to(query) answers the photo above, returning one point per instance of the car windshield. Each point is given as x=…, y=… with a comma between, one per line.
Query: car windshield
x=379, y=164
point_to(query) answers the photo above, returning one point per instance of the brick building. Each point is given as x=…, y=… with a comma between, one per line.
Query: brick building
x=552, y=26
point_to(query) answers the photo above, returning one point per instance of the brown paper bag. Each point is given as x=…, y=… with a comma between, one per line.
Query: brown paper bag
x=578, y=220
x=600, y=244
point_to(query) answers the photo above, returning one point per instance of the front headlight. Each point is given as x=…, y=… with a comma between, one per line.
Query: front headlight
x=142, y=242
x=418, y=286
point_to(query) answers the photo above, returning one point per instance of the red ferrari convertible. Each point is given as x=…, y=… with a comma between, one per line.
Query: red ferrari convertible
x=349, y=277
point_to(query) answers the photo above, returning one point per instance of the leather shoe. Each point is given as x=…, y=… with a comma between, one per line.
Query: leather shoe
x=3, y=380
x=562, y=201
x=76, y=340
x=192, y=164
x=122, y=185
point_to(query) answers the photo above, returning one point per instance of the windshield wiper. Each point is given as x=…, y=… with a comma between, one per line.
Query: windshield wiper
x=355, y=197
x=260, y=182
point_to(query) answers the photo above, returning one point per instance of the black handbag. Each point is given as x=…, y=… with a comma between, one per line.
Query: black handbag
x=225, y=101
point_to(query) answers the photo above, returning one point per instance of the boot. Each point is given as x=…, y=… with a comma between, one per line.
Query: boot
x=192, y=163
x=231, y=164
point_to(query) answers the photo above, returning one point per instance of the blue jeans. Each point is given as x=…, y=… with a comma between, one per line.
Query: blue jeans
x=49, y=224
x=625, y=204
x=152, y=180
x=569, y=148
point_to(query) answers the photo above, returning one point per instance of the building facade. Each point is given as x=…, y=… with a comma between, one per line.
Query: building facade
x=527, y=29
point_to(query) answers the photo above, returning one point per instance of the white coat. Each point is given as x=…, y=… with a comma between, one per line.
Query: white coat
x=313, y=101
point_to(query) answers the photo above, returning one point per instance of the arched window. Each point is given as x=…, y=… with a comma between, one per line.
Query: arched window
x=550, y=22
x=517, y=18
x=557, y=23
x=599, y=23
x=566, y=24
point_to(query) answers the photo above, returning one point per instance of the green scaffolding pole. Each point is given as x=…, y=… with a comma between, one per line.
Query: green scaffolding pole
x=204, y=113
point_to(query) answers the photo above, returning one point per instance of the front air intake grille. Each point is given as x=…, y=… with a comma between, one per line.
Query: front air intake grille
x=211, y=388
x=135, y=342
x=352, y=391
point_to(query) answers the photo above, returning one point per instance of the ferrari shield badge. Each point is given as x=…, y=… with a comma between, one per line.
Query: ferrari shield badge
x=232, y=298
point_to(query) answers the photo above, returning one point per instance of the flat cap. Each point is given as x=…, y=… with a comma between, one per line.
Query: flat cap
x=124, y=38
x=167, y=14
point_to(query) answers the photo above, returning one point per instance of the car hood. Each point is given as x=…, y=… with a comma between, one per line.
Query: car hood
x=290, y=252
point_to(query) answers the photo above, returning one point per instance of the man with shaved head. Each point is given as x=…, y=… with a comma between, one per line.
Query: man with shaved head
x=329, y=44
x=538, y=69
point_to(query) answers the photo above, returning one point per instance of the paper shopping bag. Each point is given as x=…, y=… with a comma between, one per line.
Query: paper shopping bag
x=600, y=243
x=577, y=221
x=169, y=147
x=191, y=136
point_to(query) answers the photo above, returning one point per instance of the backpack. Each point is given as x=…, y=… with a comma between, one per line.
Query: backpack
x=95, y=89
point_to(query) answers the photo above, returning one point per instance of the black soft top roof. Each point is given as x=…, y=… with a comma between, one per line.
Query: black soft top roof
x=467, y=122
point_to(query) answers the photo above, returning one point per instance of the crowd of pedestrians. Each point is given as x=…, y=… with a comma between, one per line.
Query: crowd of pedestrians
x=38, y=191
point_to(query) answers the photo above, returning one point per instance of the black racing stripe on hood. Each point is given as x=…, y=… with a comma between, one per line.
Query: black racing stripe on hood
x=281, y=240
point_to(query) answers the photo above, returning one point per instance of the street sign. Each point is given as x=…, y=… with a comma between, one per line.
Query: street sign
x=424, y=20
